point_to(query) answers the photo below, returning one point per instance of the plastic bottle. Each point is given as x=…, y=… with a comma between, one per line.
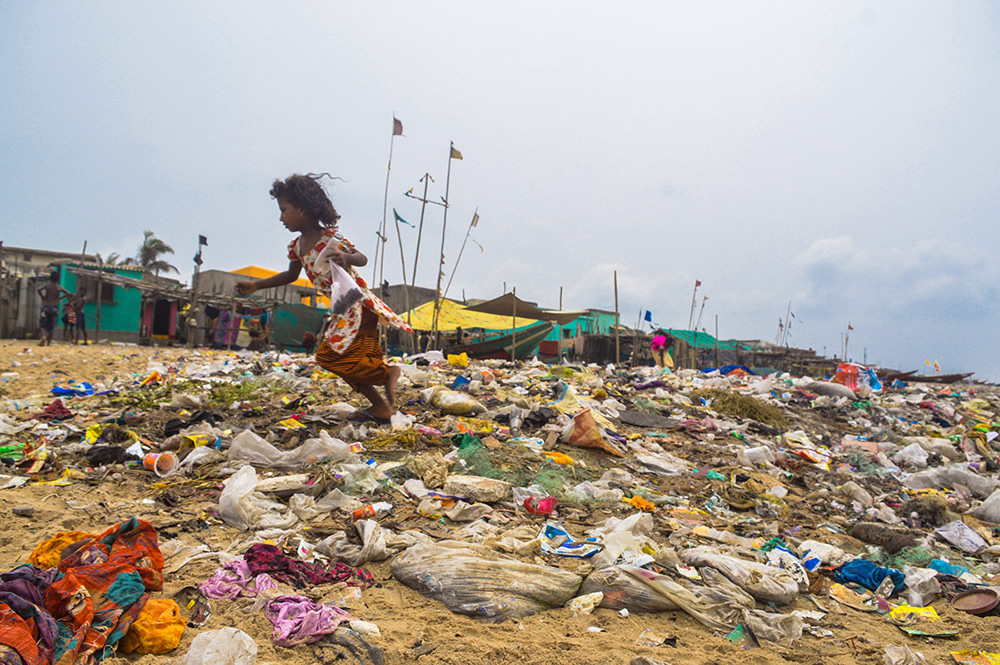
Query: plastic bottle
x=372, y=511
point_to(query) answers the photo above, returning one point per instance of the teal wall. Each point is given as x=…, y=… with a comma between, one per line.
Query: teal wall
x=594, y=323
x=122, y=315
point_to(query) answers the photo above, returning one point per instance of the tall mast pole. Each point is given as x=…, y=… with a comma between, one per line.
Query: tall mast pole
x=379, y=266
x=475, y=218
x=444, y=228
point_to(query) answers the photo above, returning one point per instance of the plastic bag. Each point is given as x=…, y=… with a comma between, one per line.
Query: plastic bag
x=949, y=476
x=451, y=402
x=912, y=456
x=988, y=510
x=225, y=646
x=473, y=579
x=240, y=506
x=344, y=290
x=922, y=586
x=778, y=628
x=763, y=582
x=235, y=507
x=248, y=447
x=902, y=655
x=624, y=591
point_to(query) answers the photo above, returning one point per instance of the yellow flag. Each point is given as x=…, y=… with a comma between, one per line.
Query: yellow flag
x=455, y=154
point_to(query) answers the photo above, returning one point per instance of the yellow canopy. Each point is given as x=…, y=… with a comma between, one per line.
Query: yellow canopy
x=454, y=315
x=263, y=273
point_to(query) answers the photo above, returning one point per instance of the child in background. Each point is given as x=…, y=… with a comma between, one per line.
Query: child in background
x=69, y=322
x=350, y=348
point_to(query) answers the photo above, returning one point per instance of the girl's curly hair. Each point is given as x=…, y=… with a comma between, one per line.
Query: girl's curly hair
x=305, y=192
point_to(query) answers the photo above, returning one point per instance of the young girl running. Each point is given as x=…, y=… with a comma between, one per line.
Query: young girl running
x=350, y=348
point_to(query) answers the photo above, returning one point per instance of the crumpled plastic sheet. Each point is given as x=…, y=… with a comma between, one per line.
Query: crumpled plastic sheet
x=299, y=620
x=243, y=508
x=473, y=579
x=763, y=582
x=378, y=543
x=225, y=646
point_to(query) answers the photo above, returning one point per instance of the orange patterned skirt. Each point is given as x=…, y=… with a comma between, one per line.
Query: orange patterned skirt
x=362, y=362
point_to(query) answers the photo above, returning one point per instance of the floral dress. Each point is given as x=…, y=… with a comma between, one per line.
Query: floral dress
x=343, y=328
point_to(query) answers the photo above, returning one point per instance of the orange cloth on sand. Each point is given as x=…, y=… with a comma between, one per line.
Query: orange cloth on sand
x=47, y=553
x=362, y=363
x=157, y=629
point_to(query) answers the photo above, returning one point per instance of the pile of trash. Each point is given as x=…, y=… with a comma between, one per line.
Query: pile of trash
x=762, y=507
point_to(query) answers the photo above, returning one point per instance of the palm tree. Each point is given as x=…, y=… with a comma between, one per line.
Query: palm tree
x=115, y=259
x=149, y=254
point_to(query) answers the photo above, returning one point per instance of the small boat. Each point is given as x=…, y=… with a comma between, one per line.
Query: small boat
x=938, y=378
x=500, y=347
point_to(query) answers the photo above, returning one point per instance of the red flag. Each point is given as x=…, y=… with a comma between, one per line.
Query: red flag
x=697, y=283
x=850, y=327
x=397, y=127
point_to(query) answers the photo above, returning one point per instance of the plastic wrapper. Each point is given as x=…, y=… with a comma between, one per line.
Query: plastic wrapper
x=585, y=432
x=225, y=646
x=765, y=583
x=475, y=580
x=248, y=447
x=958, y=534
x=624, y=591
x=781, y=629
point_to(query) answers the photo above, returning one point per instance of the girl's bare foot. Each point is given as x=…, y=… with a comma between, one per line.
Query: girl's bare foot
x=390, y=384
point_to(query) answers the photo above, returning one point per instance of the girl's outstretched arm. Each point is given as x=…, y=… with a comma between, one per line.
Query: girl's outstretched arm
x=282, y=278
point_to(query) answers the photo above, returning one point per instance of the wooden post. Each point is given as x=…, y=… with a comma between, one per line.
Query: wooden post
x=100, y=297
x=513, y=340
x=618, y=349
x=559, y=337
x=716, y=341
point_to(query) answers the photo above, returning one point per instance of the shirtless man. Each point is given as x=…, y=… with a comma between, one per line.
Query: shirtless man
x=50, y=292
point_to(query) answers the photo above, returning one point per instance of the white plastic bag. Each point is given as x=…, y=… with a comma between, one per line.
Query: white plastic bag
x=988, y=510
x=235, y=507
x=344, y=291
x=248, y=447
x=922, y=586
x=225, y=646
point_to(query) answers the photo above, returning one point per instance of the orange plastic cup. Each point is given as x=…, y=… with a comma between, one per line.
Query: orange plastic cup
x=162, y=464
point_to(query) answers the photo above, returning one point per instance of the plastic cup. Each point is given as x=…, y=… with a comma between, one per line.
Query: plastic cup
x=162, y=464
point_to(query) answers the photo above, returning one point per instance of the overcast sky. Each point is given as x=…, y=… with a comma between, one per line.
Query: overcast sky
x=841, y=156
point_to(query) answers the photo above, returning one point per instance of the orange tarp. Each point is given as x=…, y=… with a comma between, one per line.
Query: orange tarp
x=263, y=273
